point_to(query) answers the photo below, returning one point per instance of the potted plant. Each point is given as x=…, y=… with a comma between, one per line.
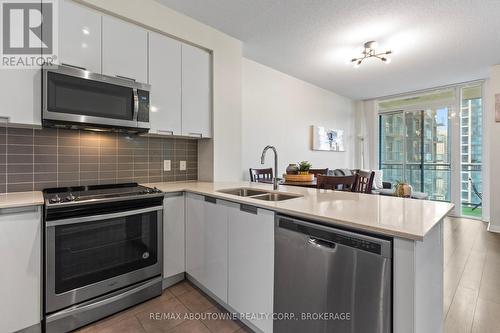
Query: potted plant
x=402, y=189
x=304, y=167
x=292, y=169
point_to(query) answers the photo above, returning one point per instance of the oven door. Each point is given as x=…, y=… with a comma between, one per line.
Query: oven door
x=89, y=256
x=77, y=97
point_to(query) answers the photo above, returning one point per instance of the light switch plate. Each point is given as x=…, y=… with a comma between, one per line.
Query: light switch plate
x=167, y=165
x=182, y=165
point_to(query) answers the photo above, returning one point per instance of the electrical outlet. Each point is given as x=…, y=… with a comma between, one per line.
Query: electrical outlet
x=167, y=165
x=182, y=166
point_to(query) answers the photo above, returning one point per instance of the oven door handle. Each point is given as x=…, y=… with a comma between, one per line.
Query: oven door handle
x=93, y=218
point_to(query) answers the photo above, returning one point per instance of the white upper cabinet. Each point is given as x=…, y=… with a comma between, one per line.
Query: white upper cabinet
x=79, y=36
x=165, y=80
x=21, y=95
x=196, y=92
x=124, y=49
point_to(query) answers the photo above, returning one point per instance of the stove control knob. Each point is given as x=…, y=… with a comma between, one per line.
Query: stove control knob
x=55, y=199
x=156, y=190
x=70, y=197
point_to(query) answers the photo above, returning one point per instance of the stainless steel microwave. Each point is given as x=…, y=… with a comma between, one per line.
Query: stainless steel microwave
x=76, y=98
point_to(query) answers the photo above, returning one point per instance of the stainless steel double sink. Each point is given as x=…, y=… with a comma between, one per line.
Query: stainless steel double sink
x=260, y=194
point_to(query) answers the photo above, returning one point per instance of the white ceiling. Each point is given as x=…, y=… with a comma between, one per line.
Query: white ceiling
x=435, y=42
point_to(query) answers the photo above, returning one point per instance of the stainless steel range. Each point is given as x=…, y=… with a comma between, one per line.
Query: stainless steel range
x=103, y=251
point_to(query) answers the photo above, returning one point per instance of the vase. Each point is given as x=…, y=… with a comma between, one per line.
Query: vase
x=403, y=190
x=292, y=169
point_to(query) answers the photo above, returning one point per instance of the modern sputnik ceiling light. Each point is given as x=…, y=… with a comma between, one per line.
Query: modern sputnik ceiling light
x=370, y=52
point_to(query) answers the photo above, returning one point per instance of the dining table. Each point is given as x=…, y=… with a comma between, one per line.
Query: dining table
x=310, y=184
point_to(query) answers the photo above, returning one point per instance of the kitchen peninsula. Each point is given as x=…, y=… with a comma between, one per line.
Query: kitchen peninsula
x=415, y=228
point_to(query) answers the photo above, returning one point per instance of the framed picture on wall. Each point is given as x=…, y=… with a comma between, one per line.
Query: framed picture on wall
x=497, y=108
x=327, y=139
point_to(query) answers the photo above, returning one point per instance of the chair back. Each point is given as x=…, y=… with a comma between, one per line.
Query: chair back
x=342, y=183
x=317, y=172
x=364, y=182
x=257, y=175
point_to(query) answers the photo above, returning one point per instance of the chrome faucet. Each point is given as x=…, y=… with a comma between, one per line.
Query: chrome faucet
x=275, y=172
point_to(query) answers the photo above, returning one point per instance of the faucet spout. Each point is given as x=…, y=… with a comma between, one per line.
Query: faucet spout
x=275, y=171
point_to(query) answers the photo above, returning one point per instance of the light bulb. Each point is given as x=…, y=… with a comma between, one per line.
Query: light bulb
x=85, y=31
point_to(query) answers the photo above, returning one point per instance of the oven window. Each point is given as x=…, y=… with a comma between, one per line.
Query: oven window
x=73, y=95
x=90, y=252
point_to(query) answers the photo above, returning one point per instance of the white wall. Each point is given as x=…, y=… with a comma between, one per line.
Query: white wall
x=279, y=110
x=493, y=132
x=220, y=158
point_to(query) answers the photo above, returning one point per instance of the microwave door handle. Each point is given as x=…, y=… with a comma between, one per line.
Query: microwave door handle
x=136, y=104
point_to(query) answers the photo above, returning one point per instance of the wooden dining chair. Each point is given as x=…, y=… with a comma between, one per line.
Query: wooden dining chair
x=317, y=172
x=341, y=183
x=257, y=175
x=364, y=182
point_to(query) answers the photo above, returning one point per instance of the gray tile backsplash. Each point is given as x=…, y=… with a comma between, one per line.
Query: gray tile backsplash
x=33, y=159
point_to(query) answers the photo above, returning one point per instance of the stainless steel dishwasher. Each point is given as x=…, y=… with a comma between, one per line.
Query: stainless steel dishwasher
x=330, y=280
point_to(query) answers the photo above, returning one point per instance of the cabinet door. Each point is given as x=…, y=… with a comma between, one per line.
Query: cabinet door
x=173, y=235
x=165, y=80
x=20, y=280
x=79, y=36
x=251, y=262
x=206, y=243
x=196, y=92
x=124, y=49
x=21, y=96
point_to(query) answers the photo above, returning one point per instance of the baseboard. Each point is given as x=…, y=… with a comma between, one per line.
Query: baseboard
x=493, y=228
x=171, y=280
x=37, y=328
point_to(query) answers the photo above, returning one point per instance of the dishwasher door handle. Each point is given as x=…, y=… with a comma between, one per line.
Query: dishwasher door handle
x=322, y=243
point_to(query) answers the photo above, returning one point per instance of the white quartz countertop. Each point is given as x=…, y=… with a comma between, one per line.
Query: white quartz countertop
x=391, y=216
x=21, y=199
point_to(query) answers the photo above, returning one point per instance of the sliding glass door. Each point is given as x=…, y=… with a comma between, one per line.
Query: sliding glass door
x=423, y=135
x=414, y=147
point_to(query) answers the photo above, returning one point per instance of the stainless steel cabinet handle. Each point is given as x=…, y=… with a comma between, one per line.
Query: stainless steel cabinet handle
x=165, y=132
x=125, y=78
x=74, y=66
x=248, y=209
x=199, y=135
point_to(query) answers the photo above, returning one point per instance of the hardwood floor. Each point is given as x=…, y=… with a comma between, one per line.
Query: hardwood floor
x=471, y=292
x=471, y=277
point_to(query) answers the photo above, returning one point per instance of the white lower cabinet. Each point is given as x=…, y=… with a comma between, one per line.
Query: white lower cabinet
x=206, y=242
x=20, y=280
x=251, y=262
x=173, y=235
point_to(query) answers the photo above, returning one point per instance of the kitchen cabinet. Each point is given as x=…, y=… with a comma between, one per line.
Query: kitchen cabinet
x=20, y=281
x=196, y=92
x=251, y=262
x=124, y=49
x=165, y=80
x=206, y=243
x=21, y=96
x=79, y=36
x=173, y=235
